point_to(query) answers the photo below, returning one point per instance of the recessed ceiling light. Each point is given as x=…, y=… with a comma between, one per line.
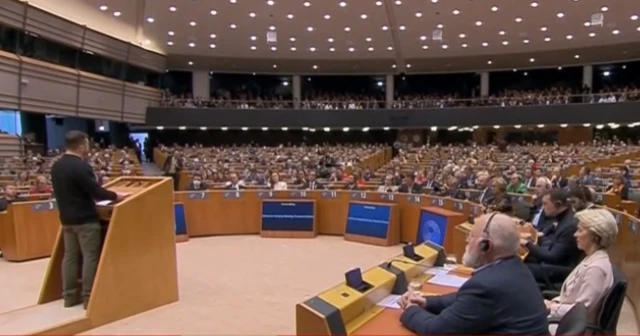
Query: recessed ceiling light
x=489, y=62
x=434, y=1
x=485, y=44
x=274, y=48
x=525, y=41
x=576, y=56
x=439, y=26
x=293, y=49
x=254, y=47
x=559, y=68
x=270, y=2
x=275, y=66
x=418, y=14
x=192, y=23
x=347, y=29
x=378, y=3
x=518, y=19
x=402, y=27
x=424, y=47
x=171, y=33
x=393, y=66
x=604, y=8
x=385, y=28
x=332, y=49
x=569, y=37
x=634, y=17
x=310, y=29
x=389, y=48
x=233, y=26
x=464, y=45
x=330, y=40
x=191, y=44
x=363, y=16
x=343, y=4
x=502, y=32
x=543, y=28
x=638, y=29
x=408, y=65
x=370, y=49
x=615, y=32
x=547, y=39
x=307, y=4
x=456, y=12
x=587, y=24
x=398, y=2
x=173, y=8
x=423, y=38
x=534, y=4
x=116, y=14
x=212, y=46
x=505, y=43
x=532, y=60
x=478, y=23
x=494, y=8
x=592, y=34
x=312, y=49
x=560, y=15
x=315, y=67
x=253, y=38
x=170, y=43
x=190, y=63
x=327, y=16
x=213, y=36
x=289, y=16
x=368, y=39
x=352, y=49
x=103, y=8
x=292, y=39
x=444, y=46
x=462, y=35
x=252, y=15
x=272, y=28
x=213, y=12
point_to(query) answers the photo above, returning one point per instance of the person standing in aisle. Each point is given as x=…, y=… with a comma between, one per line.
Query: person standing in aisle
x=76, y=191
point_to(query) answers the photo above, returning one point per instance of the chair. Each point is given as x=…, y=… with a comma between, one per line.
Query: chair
x=611, y=306
x=574, y=322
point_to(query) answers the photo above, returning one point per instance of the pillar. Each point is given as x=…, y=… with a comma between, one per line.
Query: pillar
x=201, y=84
x=296, y=83
x=587, y=76
x=484, y=84
x=389, y=91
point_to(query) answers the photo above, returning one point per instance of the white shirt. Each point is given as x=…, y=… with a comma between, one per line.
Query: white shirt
x=280, y=185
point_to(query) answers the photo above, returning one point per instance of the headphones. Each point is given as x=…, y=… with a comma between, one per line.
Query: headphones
x=485, y=243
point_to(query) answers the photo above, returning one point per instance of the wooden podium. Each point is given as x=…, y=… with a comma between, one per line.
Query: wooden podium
x=382, y=228
x=28, y=230
x=137, y=270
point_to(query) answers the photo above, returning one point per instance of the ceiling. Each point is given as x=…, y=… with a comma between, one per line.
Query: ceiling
x=367, y=36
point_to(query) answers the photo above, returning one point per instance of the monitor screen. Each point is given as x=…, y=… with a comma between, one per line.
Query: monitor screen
x=287, y=216
x=371, y=220
x=179, y=219
x=353, y=278
x=432, y=227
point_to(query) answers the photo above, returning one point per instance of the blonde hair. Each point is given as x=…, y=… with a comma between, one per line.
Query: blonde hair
x=601, y=223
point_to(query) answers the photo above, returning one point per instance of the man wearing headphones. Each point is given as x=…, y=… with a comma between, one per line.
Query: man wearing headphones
x=556, y=254
x=501, y=297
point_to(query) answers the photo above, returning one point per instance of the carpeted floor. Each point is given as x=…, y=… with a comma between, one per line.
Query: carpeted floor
x=233, y=285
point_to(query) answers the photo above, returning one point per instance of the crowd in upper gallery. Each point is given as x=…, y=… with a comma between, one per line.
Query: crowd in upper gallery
x=337, y=101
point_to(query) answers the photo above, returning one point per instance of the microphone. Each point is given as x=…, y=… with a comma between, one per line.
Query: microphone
x=408, y=262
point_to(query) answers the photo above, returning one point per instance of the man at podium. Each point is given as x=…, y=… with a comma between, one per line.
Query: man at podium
x=76, y=191
x=501, y=297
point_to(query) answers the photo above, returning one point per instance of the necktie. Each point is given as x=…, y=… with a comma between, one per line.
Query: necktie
x=536, y=218
x=482, y=195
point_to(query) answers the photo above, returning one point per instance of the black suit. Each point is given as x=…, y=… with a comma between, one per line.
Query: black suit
x=413, y=189
x=351, y=187
x=556, y=253
x=4, y=203
x=192, y=187
x=231, y=186
x=312, y=185
x=486, y=196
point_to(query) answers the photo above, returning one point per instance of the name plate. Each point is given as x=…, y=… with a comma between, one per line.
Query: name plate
x=329, y=194
x=298, y=194
x=265, y=194
x=359, y=195
x=387, y=197
x=458, y=206
x=45, y=206
x=414, y=199
x=200, y=195
x=232, y=195
x=439, y=202
x=633, y=226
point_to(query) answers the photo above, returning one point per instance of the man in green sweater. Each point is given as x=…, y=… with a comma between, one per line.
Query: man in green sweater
x=516, y=186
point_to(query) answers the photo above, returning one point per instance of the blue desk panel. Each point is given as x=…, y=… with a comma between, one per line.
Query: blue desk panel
x=179, y=220
x=432, y=227
x=287, y=216
x=369, y=220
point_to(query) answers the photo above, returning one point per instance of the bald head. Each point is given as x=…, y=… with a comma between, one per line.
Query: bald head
x=503, y=233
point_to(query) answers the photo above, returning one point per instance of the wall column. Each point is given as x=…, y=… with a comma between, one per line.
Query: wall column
x=297, y=91
x=484, y=84
x=587, y=76
x=201, y=84
x=389, y=91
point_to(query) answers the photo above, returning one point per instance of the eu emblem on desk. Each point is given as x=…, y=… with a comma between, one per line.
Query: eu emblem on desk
x=414, y=199
x=387, y=196
x=232, y=194
x=439, y=202
x=329, y=194
x=458, y=206
x=359, y=195
x=200, y=195
x=430, y=231
x=45, y=206
x=298, y=194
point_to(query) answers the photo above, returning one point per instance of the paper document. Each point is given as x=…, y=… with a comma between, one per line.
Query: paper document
x=103, y=203
x=437, y=270
x=447, y=280
x=390, y=301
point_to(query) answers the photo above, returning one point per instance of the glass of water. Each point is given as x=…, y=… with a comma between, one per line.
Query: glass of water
x=415, y=287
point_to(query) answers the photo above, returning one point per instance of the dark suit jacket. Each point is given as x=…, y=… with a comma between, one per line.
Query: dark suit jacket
x=234, y=187
x=558, y=245
x=351, y=187
x=192, y=187
x=316, y=185
x=501, y=299
x=4, y=203
x=414, y=189
x=487, y=198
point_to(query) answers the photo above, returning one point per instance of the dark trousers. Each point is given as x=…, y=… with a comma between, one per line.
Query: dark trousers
x=548, y=275
x=80, y=241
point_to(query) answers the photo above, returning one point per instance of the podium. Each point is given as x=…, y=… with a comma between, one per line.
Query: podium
x=137, y=270
x=28, y=230
x=288, y=218
x=373, y=223
x=437, y=225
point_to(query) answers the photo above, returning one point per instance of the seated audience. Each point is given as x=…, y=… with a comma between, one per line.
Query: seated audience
x=42, y=186
x=500, y=201
x=196, y=183
x=409, y=186
x=311, y=183
x=581, y=198
x=10, y=196
x=593, y=277
x=351, y=183
x=556, y=253
x=483, y=184
x=516, y=186
x=538, y=217
x=501, y=297
x=388, y=186
x=234, y=183
x=619, y=187
x=276, y=184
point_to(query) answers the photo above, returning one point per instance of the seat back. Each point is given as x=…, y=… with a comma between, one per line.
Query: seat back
x=612, y=304
x=574, y=322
